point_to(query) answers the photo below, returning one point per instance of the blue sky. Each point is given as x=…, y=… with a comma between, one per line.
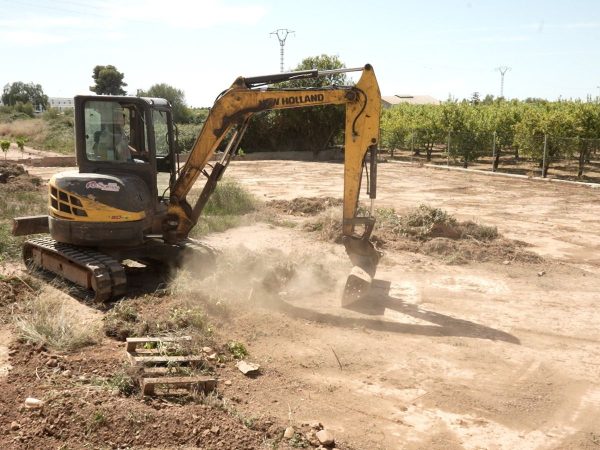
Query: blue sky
x=439, y=48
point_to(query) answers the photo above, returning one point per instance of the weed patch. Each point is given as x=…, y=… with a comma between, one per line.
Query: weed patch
x=46, y=319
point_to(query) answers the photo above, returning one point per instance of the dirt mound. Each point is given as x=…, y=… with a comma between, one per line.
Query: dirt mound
x=85, y=402
x=304, y=206
x=93, y=395
x=433, y=232
x=13, y=177
x=12, y=290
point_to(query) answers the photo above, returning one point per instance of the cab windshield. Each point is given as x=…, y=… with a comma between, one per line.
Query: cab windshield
x=115, y=131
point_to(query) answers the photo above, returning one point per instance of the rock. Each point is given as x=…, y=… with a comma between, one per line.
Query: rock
x=215, y=430
x=66, y=373
x=316, y=425
x=325, y=437
x=33, y=403
x=542, y=273
x=212, y=357
x=227, y=383
x=52, y=362
x=247, y=368
x=206, y=432
x=207, y=350
x=506, y=262
x=289, y=433
x=14, y=426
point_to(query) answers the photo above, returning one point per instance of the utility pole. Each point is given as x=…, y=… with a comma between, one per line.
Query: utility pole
x=502, y=70
x=282, y=34
x=598, y=98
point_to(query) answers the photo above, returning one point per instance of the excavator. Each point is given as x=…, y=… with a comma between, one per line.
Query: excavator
x=112, y=210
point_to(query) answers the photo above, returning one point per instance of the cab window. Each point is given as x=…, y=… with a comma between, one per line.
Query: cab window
x=114, y=132
x=161, y=132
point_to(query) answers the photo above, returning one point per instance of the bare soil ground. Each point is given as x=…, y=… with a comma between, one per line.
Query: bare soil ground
x=499, y=354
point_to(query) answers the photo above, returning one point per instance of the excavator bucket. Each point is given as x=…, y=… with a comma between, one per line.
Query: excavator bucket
x=364, y=257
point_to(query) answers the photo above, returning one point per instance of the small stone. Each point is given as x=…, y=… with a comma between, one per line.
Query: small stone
x=66, y=373
x=325, y=437
x=33, y=403
x=227, y=383
x=15, y=426
x=506, y=262
x=289, y=433
x=246, y=367
x=206, y=432
x=215, y=430
x=212, y=357
x=194, y=431
x=207, y=350
x=316, y=425
x=52, y=362
x=542, y=273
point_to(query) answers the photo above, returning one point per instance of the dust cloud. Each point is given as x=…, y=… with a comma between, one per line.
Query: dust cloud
x=242, y=275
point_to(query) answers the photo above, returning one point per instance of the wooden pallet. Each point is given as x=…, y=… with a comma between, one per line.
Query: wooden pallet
x=156, y=370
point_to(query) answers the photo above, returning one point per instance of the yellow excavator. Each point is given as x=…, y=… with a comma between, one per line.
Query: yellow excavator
x=111, y=209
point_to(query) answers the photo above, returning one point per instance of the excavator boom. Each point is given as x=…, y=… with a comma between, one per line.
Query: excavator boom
x=231, y=113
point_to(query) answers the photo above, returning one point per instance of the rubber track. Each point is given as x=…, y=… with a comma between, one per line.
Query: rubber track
x=107, y=272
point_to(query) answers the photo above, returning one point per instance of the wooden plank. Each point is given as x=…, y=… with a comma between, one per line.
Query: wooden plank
x=132, y=342
x=164, y=359
x=206, y=384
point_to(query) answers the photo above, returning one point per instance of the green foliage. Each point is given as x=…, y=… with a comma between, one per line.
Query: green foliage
x=122, y=383
x=176, y=97
x=5, y=145
x=108, y=80
x=237, y=349
x=24, y=93
x=301, y=128
x=24, y=108
x=229, y=199
x=21, y=143
x=60, y=136
x=186, y=136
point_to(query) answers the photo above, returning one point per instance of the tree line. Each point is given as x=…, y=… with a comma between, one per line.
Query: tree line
x=535, y=129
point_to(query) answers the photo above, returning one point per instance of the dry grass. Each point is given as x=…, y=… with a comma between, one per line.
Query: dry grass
x=47, y=319
x=33, y=129
x=431, y=231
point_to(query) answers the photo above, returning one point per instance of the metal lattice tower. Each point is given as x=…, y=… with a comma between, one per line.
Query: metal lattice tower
x=282, y=34
x=502, y=70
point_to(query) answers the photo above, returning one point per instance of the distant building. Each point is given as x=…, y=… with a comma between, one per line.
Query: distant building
x=61, y=103
x=391, y=100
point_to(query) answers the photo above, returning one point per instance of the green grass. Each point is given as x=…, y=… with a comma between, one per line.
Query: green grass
x=230, y=199
x=225, y=209
x=22, y=203
x=237, y=349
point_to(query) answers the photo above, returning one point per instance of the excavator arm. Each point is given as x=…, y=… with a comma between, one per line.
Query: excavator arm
x=228, y=119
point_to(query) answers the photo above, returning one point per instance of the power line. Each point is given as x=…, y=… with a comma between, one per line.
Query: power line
x=282, y=34
x=502, y=70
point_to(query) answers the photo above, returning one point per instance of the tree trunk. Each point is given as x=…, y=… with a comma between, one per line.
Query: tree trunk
x=583, y=152
x=429, y=149
x=496, y=159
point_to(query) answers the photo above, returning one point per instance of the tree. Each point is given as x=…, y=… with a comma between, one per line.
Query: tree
x=301, y=128
x=24, y=93
x=5, y=145
x=108, y=81
x=176, y=97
